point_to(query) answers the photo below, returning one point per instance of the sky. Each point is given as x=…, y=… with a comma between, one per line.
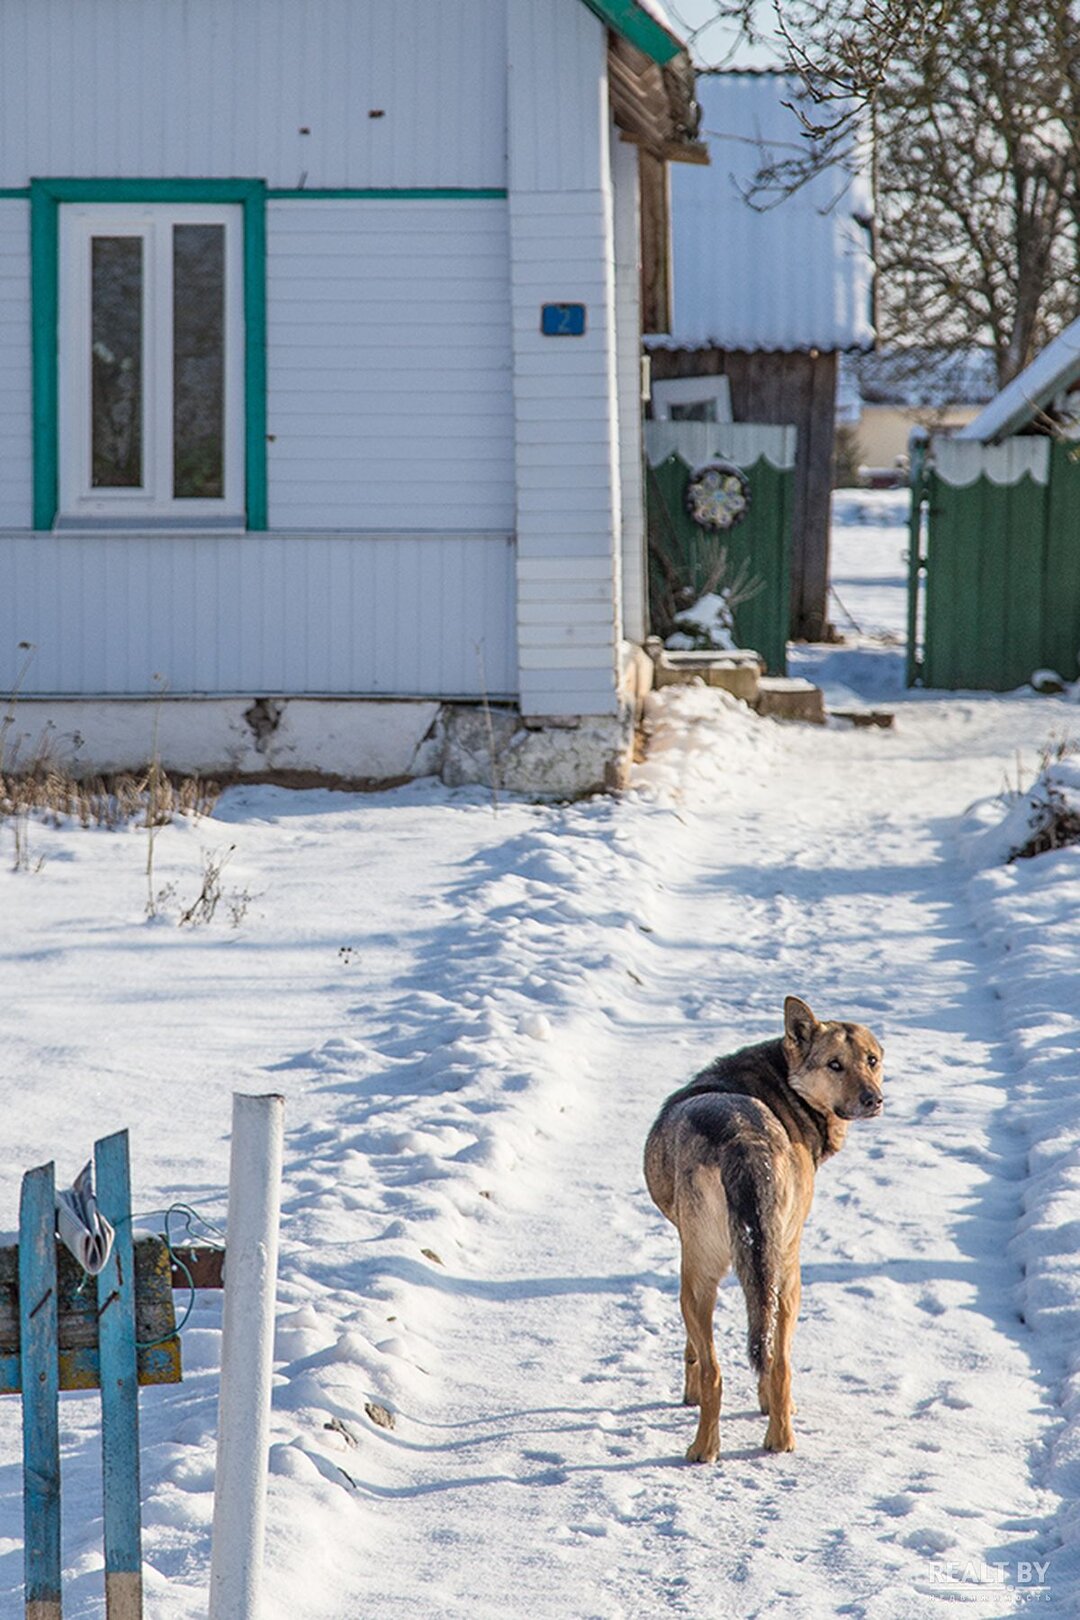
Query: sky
x=719, y=45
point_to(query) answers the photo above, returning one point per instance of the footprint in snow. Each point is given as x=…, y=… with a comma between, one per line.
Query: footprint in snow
x=897, y=1505
x=929, y=1541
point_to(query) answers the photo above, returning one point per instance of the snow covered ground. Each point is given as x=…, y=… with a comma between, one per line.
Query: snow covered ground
x=474, y=1014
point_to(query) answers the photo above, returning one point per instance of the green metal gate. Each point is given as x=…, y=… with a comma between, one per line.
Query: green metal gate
x=758, y=547
x=995, y=587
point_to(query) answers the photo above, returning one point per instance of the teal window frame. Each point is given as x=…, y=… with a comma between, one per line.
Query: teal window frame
x=46, y=196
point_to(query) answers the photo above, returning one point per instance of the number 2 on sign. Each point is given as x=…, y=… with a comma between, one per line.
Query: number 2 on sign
x=562, y=320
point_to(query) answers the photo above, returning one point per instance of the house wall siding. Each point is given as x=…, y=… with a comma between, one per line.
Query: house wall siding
x=15, y=398
x=627, y=216
x=300, y=614
x=225, y=87
x=389, y=365
x=409, y=388
x=561, y=234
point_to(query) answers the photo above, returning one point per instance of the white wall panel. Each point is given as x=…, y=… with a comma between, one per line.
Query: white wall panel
x=405, y=614
x=562, y=251
x=627, y=215
x=15, y=395
x=558, y=96
x=224, y=87
x=389, y=365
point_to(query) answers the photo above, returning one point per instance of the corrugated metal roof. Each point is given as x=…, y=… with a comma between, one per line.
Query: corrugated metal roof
x=1052, y=371
x=796, y=275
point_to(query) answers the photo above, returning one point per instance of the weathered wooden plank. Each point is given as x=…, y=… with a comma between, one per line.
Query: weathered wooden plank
x=205, y=1267
x=80, y=1369
x=812, y=547
x=40, y=1411
x=119, y=1386
x=77, y=1300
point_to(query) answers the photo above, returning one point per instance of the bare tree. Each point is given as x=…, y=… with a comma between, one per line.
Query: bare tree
x=975, y=111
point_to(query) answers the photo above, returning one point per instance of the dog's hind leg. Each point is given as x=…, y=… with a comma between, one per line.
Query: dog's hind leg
x=780, y=1436
x=697, y=1297
x=691, y=1381
x=763, y=1396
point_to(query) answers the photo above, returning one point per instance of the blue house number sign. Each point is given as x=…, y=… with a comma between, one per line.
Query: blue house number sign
x=562, y=320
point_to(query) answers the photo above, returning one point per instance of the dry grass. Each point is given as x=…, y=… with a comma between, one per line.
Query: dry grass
x=151, y=797
x=1055, y=820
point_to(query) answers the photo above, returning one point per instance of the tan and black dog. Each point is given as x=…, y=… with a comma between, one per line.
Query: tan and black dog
x=731, y=1162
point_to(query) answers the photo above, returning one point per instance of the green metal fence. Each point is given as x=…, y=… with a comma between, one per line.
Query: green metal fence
x=1000, y=568
x=758, y=548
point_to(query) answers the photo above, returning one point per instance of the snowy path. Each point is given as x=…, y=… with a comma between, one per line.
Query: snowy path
x=552, y=1467
x=474, y=1018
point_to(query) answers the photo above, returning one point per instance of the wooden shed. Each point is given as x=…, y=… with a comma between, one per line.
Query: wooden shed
x=320, y=395
x=767, y=294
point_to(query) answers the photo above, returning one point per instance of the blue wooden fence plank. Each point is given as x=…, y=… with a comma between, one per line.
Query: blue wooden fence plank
x=40, y=1384
x=119, y=1386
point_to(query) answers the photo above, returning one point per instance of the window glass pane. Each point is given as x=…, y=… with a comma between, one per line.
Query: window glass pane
x=198, y=362
x=116, y=277
x=703, y=410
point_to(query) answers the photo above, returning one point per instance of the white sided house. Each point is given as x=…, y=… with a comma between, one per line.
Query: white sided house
x=320, y=390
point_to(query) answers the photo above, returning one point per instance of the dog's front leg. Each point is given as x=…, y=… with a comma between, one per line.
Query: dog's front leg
x=697, y=1297
x=780, y=1436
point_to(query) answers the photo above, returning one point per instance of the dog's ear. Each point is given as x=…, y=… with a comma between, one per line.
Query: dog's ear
x=799, y=1024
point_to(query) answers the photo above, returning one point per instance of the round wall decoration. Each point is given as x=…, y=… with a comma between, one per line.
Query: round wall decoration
x=718, y=496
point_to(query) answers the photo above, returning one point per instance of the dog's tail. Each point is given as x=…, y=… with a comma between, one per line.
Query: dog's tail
x=755, y=1256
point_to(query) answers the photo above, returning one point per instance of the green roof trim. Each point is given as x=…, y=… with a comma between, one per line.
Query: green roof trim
x=637, y=25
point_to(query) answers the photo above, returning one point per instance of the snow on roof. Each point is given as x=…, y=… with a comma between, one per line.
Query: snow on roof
x=1052, y=371
x=659, y=14
x=794, y=275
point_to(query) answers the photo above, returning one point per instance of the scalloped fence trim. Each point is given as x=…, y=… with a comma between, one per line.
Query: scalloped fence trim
x=744, y=443
x=960, y=462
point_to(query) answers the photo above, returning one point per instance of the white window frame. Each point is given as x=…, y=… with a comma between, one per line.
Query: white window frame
x=154, y=503
x=692, y=391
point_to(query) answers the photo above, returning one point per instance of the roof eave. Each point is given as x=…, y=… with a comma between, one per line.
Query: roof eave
x=1051, y=372
x=629, y=19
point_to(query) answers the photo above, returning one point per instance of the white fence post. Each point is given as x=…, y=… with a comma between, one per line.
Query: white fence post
x=251, y=1250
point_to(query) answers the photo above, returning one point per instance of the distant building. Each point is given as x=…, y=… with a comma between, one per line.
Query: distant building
x=767, y=294
x=884, y=395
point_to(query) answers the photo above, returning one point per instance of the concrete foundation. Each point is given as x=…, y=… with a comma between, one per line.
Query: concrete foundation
x=348, y=742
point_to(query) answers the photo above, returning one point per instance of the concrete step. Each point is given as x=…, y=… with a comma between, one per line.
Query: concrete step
x=737, y=671
x=784, y=697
